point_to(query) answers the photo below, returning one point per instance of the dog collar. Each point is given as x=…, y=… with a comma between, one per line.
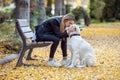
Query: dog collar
x=74, y=35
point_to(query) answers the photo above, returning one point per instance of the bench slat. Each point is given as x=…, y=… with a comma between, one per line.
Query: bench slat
x=26, y=29
x=23, y=22
x=28, y=35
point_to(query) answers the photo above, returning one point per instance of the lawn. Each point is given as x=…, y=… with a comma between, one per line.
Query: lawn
x=105, y=38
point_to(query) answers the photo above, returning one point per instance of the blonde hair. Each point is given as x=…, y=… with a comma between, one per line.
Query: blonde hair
x=65, y=18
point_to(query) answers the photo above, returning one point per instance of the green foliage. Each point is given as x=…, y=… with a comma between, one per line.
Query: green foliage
x=112, y=10
x=8, y=37
x=107, y=10
x=67, y=8
x=6, y=29
x=79, y=13
x=117, y=9
x=48, y=11
x=36, y=13
x=6, y=12
x=95, y=21
x=118, y=16
x=97, y=9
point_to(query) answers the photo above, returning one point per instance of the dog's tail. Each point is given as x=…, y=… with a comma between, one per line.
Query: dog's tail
x=90, y=62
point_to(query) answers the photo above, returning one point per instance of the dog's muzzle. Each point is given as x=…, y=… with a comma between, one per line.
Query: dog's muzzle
x=74, y=35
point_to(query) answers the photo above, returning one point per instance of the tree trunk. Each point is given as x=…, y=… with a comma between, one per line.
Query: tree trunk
x=63, y=8
x=42, y=11
x=49, y=8
x=37, y=12
x=59, y=7
x=23, y=9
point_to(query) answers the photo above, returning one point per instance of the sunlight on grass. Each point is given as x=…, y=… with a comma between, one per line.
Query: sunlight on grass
x=106, y=25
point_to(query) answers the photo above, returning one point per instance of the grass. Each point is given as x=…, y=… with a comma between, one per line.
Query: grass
x=106, y=25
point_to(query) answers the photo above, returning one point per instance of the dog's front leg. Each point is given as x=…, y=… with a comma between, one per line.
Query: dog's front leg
x=69, y=61
x=73, y=59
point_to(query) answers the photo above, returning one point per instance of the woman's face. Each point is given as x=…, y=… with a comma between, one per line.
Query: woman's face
x=68, y=23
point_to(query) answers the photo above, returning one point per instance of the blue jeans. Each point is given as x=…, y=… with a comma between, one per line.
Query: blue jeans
x=56, y=40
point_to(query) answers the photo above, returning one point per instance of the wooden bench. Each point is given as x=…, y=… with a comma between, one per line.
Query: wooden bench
x=25, y=32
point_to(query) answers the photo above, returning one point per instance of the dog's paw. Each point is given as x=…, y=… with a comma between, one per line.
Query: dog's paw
x=70, y=66
x=80, y=66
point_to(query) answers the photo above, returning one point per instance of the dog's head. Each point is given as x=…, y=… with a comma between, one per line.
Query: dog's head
x=77, y=29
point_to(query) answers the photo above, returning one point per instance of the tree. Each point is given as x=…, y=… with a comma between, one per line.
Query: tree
x=80, y=15
x=109, y=10
x=117, y=9
x=59, y=7
x=49, y=8
x=92, y=7
x=97, y=10
x=42, y=11
x=63, y=8
x=22, y=9
x=37, y=12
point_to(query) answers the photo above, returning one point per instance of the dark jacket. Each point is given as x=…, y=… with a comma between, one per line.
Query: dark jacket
x=50, y=26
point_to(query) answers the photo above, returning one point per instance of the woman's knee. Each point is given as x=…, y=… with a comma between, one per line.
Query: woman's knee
x=56, y=40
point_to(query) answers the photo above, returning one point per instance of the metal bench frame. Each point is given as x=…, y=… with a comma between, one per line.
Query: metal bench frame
x=25, y=32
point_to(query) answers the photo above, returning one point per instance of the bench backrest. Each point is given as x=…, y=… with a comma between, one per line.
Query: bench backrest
x=23, y=28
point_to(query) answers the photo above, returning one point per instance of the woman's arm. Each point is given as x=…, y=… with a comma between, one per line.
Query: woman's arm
x=56, y=30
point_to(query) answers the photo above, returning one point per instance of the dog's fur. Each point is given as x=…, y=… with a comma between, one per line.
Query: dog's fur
x=81, y=50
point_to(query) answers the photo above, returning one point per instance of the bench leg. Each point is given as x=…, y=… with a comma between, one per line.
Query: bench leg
x=29, y=55
x=20, y=62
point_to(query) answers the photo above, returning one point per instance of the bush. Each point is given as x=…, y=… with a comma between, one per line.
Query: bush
x=68, y=8
x=118, y=16
x=97, y=8
x=95, y=21
x=79, y=13
x=81, y=16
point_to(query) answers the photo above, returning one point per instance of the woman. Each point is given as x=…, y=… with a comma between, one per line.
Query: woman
x=53, y=29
